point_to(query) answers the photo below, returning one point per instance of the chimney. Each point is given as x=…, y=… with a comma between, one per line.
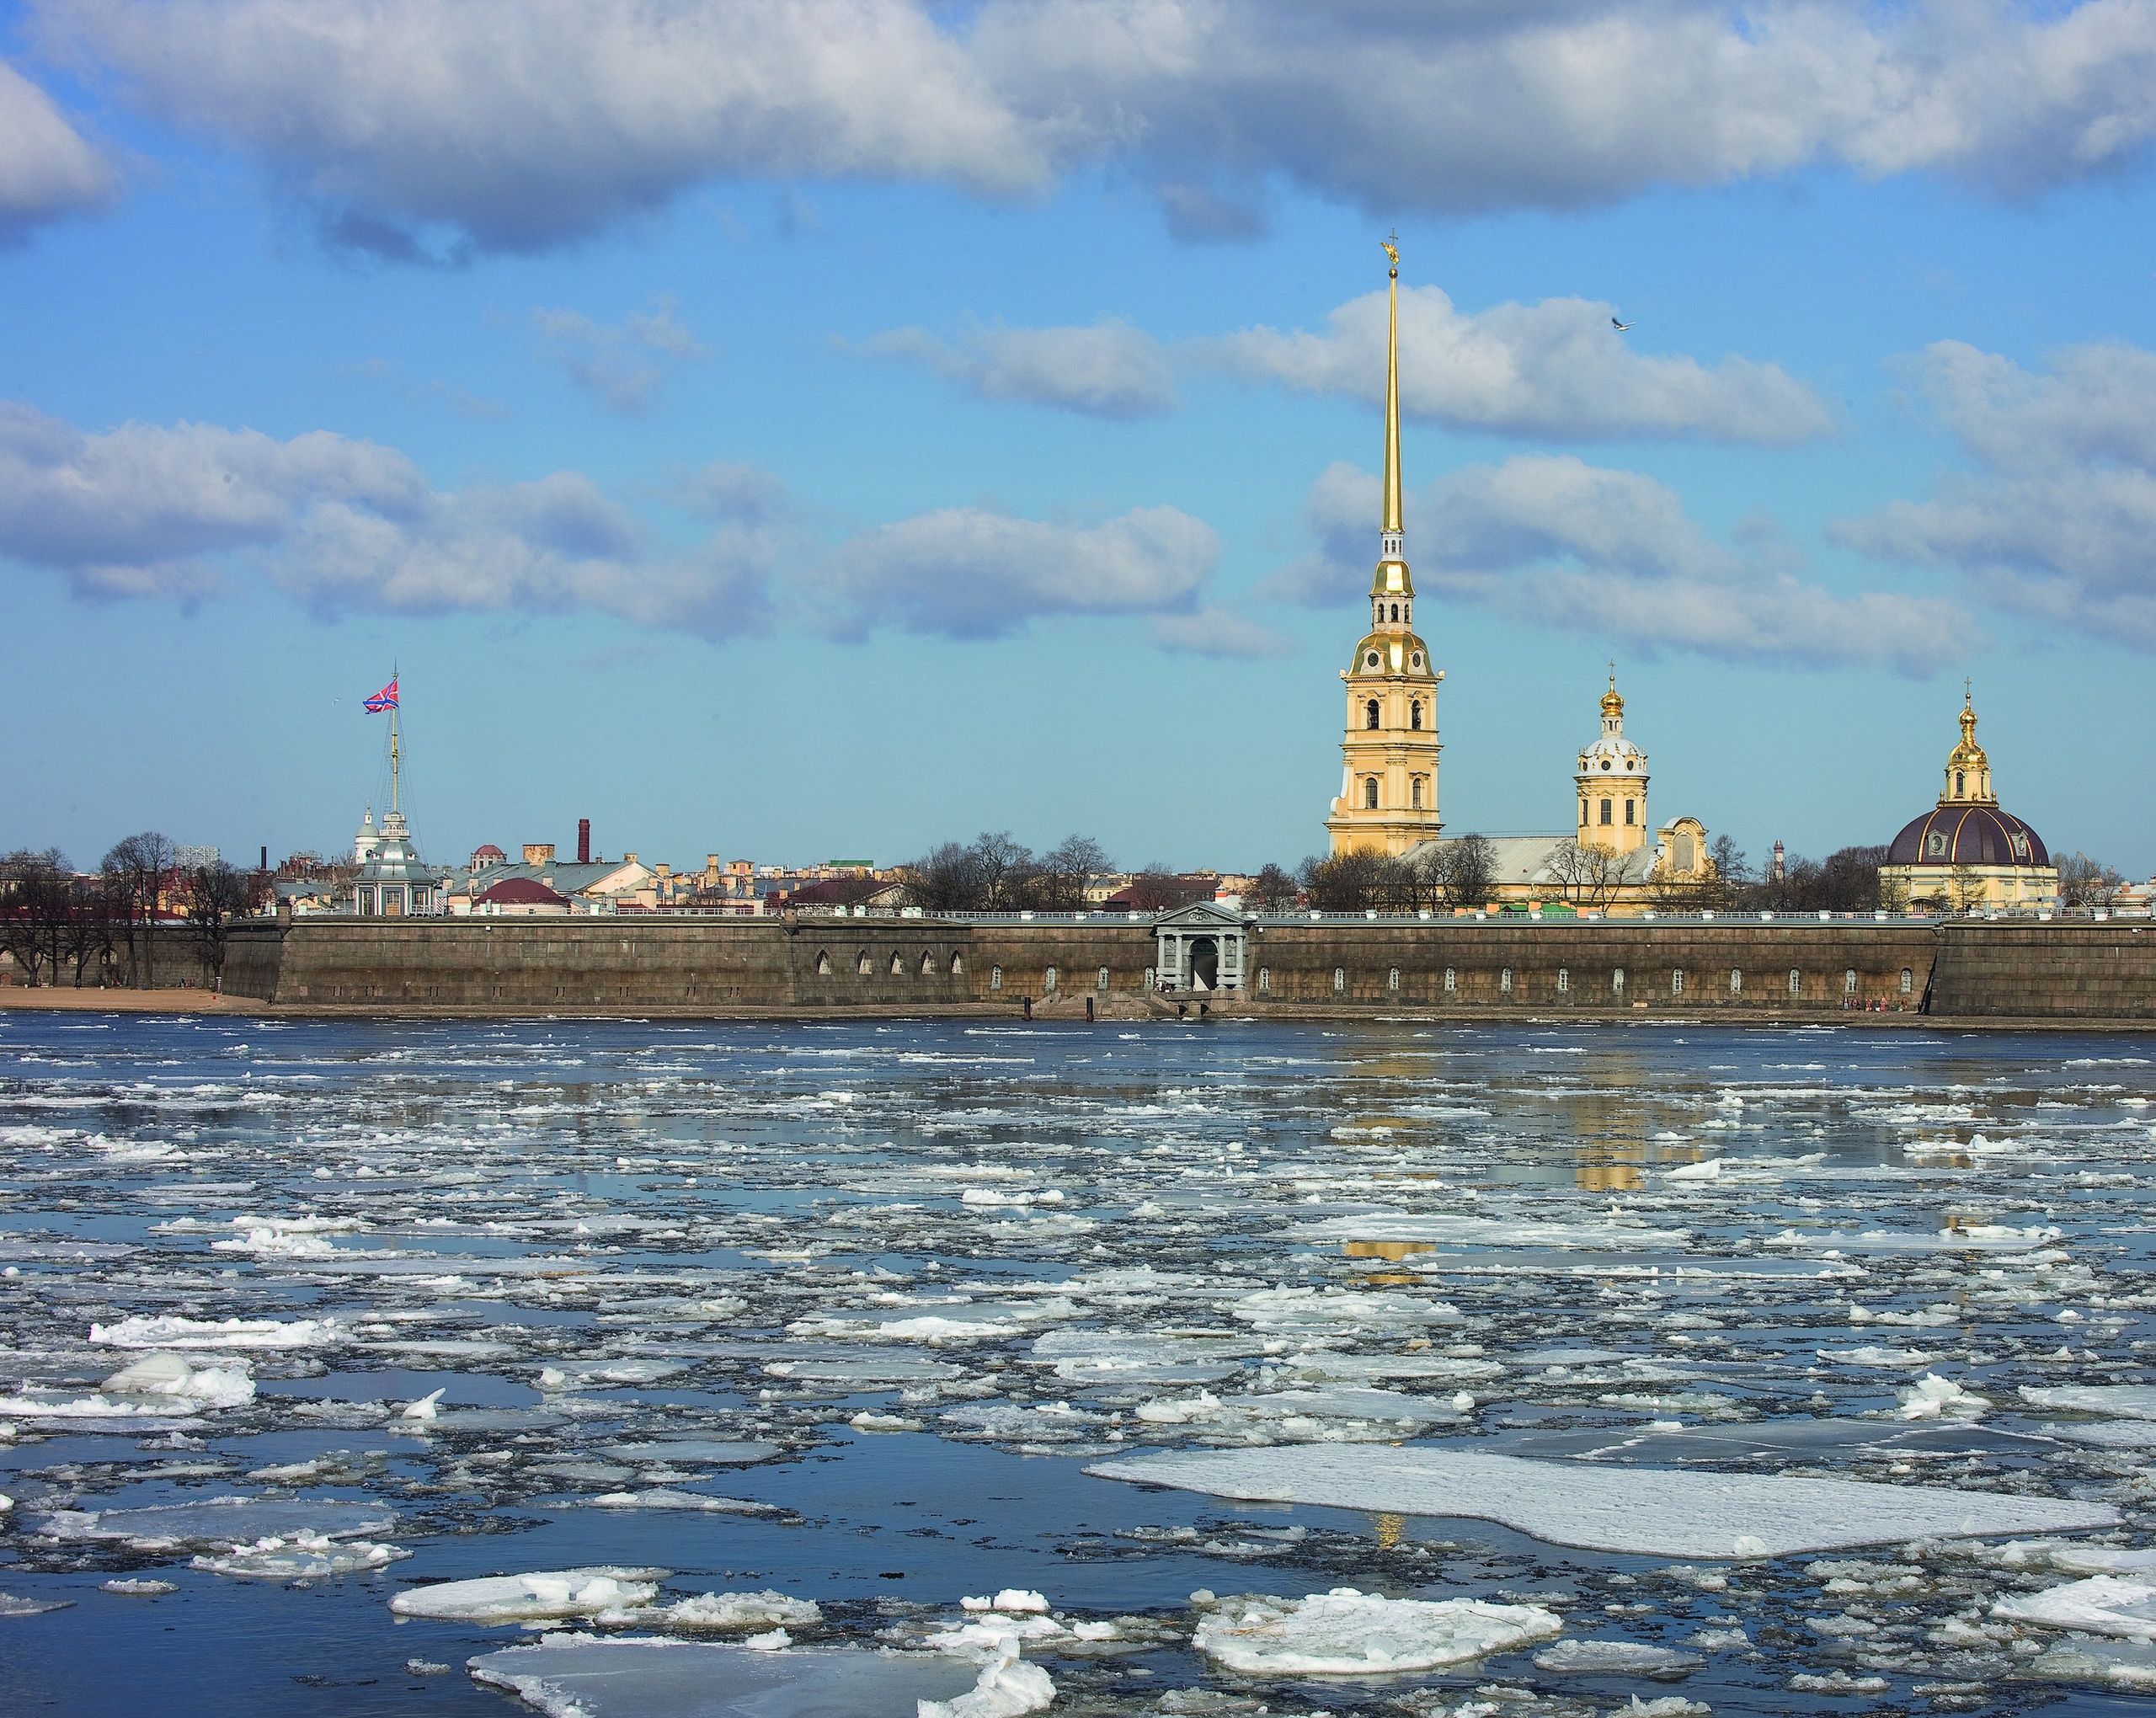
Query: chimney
x=265, y=858
x=584, y=840
x=538, y=852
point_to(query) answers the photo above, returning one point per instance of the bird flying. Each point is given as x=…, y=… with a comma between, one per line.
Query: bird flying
x=1619, y=326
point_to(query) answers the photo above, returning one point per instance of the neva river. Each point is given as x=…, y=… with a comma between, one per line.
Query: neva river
x=781, y=1342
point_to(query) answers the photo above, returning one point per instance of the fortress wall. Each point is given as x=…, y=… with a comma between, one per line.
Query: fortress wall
x=717, y=965
x=2058, y=971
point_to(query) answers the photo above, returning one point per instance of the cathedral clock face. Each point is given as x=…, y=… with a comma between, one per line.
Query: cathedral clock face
x=1370, y=660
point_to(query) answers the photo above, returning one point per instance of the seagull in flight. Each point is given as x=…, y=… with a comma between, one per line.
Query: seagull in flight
x=1619, y=326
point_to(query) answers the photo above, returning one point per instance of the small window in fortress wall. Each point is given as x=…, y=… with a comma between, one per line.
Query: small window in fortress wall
x=1102, y=982
x=1452, y=981
x=1617, y=982
x=1849, y=982
x=957, y=964
x=1677, y=982
x=1908, y=981
x=861, y=964
x=995, y=978
x=1564, y=981
x=1505, y=981
x=1392, y=979
x=1796, y=982
x=1339, y=980
x=1265, y=981
x=1048, y=979
x=822, y=963
x=898, y=966
x=1736, y=981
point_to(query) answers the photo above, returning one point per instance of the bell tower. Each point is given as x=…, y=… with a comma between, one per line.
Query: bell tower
x=1388, y=799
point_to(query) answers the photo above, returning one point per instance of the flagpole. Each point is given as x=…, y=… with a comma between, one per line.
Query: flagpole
x=396, y=679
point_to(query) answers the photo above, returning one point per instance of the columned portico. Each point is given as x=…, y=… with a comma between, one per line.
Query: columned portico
x=1202, y=947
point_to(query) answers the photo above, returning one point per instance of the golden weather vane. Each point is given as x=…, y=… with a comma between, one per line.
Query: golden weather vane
x=1390, y=243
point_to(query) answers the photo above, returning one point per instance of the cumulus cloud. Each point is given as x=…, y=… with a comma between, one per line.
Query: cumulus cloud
x=151, y=510
x=1109, y=370
x=2058, y=517
x=1555, y=540
x=966, y=573
x=616, y=363
x=1218, y=631
x=1557, y=368
x=520, y=124
x=46, y=169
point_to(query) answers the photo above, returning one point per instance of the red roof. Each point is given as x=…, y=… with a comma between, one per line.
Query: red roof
x=490, y=851
x=521, y=892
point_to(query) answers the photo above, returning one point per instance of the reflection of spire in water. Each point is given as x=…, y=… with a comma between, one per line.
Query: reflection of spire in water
x=1389, y=1529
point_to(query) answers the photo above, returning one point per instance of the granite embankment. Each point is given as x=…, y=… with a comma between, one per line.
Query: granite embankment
x=2088, y=973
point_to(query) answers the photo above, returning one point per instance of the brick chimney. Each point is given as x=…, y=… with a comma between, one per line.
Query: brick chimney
x=538, y=852
x=584, y=840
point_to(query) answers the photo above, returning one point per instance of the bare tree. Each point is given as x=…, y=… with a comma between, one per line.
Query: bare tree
x=1965, y=887
x=1273, y=890
x=1159, y=888
x=1349, y=882
x=139, y=870
x=215, y=895
x=1059, y=882
x=32, y=891
x=2086, y=883
x=1006, y=868
x=1587, y=875
x=1731, y=884
x=946, y=879
x=1466, y=870
x=88, y=937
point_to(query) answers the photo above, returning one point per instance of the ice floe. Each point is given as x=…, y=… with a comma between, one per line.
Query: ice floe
x=1649, y=1511
x=584, y=1675
x=542, y=1596
x=1346, y=1632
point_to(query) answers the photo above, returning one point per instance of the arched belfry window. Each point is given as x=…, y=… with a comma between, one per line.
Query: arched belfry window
x=1370, y=713
x=1415, y=715
x=1396, y=612
x=1416, y=798
x=1605, y=811
x=1370, y=793
x=1960, y=784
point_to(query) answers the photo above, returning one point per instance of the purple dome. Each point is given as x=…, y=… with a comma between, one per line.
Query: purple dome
x=1968, y=835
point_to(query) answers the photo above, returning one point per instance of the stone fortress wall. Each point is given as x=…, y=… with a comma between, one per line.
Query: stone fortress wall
x=2097, y=972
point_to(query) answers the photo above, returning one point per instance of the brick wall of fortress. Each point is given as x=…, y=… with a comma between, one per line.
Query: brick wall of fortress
x=2055, y=971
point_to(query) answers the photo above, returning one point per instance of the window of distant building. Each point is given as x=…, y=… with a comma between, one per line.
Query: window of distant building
x=1961, y=783
x=1102, y=982
x=1370, y=714
x=1415, y=791
x=1370, y=794
x=1605, y=814
x=1339, y=980
x=1617, y=981
x=1677, y=982
x=1392, y=979
x=1849, y=982
x=1396, y=612
x=1908, y=981
x=1265, y=981
x=1048, y=979
x=1415, y=715
x=995, y=978
x=927, y=963
x=1564, y=981
x=1370, y=659
x=1628, y=812
x=861, y=964
x=823, y=965
x=1583, y=813
x=1796, y=982
x=1505, y=981
x=1736, y=981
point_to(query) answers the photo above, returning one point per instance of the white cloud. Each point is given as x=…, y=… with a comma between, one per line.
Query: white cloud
x=614, y=362
x=1560, y=542
x=1109, y=370
x=520, y=124
x=46, y=169
x=149, y=510
x=1557, y=368
x=1218, y=631
x=968, y=572
x=2058, y=518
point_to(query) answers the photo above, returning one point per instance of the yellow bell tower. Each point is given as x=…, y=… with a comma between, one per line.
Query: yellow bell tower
x=1388, y=799
x=1612, y=783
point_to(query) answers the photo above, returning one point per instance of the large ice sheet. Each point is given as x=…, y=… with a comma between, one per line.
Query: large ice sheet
x=1346, y=1632
x=517, y=1599
x=2103, y=1604
x=580, y=1676
x=2126, y=1402
x=1647, y=1511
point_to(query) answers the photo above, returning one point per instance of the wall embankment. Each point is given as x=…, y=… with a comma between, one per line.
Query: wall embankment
x=2095, y=973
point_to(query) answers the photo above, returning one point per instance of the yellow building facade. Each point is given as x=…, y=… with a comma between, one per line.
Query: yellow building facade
x=1388, y=800
x=1968, y=853
x=1612, y=784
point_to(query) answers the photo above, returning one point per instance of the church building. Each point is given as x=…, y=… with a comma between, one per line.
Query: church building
x=1388, y=799
x=1966, y=853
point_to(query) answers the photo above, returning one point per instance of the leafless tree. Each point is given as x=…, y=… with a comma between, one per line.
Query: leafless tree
x=1059, y=882
x=33, y=898
x=1006, y=869
x=1466, y=870
x=1273, y=890
x=1349, y=883
x=1587, y=875
x=139, y=871
x=946, y=879
x=2085, y=883
x=215, y=895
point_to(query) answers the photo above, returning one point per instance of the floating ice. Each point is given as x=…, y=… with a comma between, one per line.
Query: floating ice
x=519, y=1599
x=1649, y=1511
x=304, y=1555
x=156, y=1386
x=1615, y=1657
x=2102, y=1604
x=131, y=1587
x=734, y=1610
x=582, y=1676
x=1016, y=1600
x=1932, y=1397
x=2126, y=1402
x=220, y=1521
x=1332, y=1309
x=1347, y=1633
x=194, y=1333
x=663, y=1499
x=11, y=1606
x=1007, y=1689
x=599, y=1374
x=715, y=1452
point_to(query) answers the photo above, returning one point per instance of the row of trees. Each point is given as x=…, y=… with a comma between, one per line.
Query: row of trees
x=997, y=874
x=101, y=927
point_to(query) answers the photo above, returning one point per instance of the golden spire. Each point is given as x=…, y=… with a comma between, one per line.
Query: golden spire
x=1612, y=704
x=1391, y=526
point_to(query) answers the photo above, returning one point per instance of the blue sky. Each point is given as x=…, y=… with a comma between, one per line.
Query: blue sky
x=787, y=430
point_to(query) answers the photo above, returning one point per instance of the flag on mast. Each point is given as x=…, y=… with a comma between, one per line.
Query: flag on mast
x=385, y=699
